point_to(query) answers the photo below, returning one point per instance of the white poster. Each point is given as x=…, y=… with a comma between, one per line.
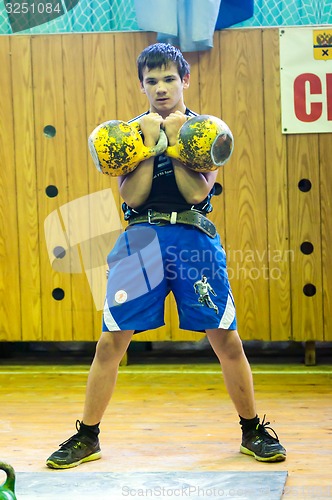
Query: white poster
x=306, y=79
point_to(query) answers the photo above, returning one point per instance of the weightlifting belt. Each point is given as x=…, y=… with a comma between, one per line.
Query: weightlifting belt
x=191, y=217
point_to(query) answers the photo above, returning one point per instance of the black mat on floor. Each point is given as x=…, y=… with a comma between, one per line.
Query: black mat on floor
x=69, y=485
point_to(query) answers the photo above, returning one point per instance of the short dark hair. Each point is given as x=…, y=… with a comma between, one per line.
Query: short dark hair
x=159, y=55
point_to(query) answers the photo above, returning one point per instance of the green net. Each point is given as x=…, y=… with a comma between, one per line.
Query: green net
x=67, y=16
x=290, y=13
x=70, y=16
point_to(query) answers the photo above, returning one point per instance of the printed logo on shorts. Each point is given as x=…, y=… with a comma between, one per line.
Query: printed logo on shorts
x=120, y=296
x=203, y=290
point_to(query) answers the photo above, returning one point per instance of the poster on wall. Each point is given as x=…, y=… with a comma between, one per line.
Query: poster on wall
x=306, y=79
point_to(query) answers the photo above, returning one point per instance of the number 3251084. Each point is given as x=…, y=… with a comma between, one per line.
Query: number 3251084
x=33, y=8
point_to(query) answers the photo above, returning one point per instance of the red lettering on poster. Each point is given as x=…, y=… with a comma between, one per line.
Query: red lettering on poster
x=300, y=97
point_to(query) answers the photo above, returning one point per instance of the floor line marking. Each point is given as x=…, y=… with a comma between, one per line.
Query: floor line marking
x=162, y=372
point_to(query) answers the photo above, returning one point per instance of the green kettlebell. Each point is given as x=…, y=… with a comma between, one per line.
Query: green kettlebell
x=7, y=489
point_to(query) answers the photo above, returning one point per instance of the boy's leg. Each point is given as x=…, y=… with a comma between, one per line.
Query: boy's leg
x=84, y=446
x=236, y=370
x=256, y=441
x=103, y=374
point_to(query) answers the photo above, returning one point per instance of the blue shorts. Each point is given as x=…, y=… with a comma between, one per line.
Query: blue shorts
x=149, y=261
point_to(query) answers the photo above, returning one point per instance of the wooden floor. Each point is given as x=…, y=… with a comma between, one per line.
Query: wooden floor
x=171, y=417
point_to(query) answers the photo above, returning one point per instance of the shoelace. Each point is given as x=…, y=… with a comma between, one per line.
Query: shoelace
x=69, y=442
x=263, y=428
x=74, y=438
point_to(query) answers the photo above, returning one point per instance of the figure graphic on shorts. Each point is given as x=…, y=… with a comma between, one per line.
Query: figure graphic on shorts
x=203, y=289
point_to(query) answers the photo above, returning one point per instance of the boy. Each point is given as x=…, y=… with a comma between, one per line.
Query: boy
x=157, y=195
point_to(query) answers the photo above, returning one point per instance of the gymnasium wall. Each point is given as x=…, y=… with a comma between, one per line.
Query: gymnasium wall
x=276, y=188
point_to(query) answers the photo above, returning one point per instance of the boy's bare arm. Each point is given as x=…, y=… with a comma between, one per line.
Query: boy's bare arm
x=136, y=186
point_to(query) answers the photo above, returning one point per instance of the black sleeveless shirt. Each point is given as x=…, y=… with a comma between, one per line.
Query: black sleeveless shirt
x=165, y=195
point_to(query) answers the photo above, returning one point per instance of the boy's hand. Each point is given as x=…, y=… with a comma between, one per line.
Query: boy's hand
x=172, y=125
x=150, y=126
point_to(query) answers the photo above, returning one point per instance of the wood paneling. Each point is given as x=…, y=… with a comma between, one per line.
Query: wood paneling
x=100, y=96
x=10, y=307
x=192, y=95
x=304, y=222
x=51, y=165
x=26, y=188
x=278, y=251
x=326, y=228
x=245, y=179
x=77, y=174
x=75, y=82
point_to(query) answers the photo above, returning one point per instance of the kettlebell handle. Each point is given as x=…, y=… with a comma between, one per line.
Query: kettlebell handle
x=7, y=489
x=161, y=145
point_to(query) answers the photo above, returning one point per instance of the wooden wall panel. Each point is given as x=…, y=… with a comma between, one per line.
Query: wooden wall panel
x=51, y=170
x=325, y=141
x=278, y=251
x=100, y=96
x=245, y=180
x=26, y=188
x=192, y=95
x=304, y=222
x=75, y=82
x=209, y=88
x=77, y=175
x=10, y=307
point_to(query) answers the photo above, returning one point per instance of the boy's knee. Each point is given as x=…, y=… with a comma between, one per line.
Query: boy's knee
x=234, y=351
x=233, y=347
x=109, y=349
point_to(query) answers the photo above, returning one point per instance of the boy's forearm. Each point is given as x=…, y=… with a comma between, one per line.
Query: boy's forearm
x=194, y=186
x=136, y=186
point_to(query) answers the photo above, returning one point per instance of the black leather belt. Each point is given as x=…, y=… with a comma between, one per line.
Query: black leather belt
x=191, y=217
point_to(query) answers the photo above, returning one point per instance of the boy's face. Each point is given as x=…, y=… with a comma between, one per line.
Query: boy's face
x=164, y=89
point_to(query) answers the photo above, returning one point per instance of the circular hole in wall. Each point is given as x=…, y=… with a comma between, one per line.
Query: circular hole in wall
x=304, y=185
x=58, y=293
x=51, y=191
x=59, y=252
x=307, y=247
x=49, y=131
x=309, y=290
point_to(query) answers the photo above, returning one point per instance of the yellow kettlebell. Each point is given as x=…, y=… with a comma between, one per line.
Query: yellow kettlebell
x=7, y=489
x=204, y=143
x=117, y=147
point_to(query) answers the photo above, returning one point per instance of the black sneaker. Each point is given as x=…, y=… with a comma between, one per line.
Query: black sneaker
x=76, y=450
x=261, y=445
